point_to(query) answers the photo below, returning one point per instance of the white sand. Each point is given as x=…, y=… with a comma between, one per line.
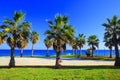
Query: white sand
x=4, y=61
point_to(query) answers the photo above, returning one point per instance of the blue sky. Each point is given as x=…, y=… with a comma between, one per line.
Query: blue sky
x=85, y=15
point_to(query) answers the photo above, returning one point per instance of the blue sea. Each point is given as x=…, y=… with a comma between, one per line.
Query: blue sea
x=52, y=52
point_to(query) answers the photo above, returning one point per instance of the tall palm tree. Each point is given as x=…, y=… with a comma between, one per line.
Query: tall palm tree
x=48, y=44
x=81, y=42
x=93, y=41
x=12, y=28
x=61, y=33
x=34, y=39
x=108, y=42
x=113, y=27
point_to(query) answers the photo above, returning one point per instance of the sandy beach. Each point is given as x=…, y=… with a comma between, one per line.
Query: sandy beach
x=4, y=61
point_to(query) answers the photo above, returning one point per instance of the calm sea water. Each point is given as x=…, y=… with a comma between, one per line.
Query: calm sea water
x=52, y=52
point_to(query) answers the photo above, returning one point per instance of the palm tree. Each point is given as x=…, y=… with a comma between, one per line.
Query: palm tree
x=81, y=42
x=108, y=42
x=61, y=33
x=76, y=45
x=12, y=29
x=21, y=44
x=73, y=44
x=93, y=41
x=113, y=27
x=24, y=36
x=34, y=39
x=48, y=44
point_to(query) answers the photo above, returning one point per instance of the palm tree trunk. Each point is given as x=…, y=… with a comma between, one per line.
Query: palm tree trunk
x=32, y=50
x=110, y=52
x=57, y=65
x=92, y=51
x=21, y=53
x=80, y=52
x=117, y=59
x=12, y=60
x=47, y=53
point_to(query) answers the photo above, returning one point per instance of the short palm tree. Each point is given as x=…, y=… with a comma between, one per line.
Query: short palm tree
x=61, y=33
x=113, y=27
x=24, y=36
x=34, y=39
x=93, y=41
x=21, y=44
x=108, y=42
x=81, y=42
x=73, y=44
x=48, y=44
x=12, y=29
x=76, y=45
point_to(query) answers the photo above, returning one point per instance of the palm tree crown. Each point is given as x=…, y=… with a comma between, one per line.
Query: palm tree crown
x=34, y=37
x=93, y=41
x=48, y=43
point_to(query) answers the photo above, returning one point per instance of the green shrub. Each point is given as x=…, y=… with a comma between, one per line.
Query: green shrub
x=88, y=53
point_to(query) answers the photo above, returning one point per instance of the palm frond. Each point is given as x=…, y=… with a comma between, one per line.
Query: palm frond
x=8, y=22
x=25, y=25
x=93, y=40
x=18, y=16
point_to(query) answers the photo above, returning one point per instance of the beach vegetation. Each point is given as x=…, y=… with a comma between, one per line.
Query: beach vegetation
x=48, y=44
x=88, y=52
x=16, y=33
x=74, y=45
x=108, y=42
x=113, y=27
x=93, y=41
x=61, y=33
x=81, y=42
x=34, y=37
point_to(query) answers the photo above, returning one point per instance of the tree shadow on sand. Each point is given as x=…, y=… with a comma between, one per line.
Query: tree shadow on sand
x=65, y=67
